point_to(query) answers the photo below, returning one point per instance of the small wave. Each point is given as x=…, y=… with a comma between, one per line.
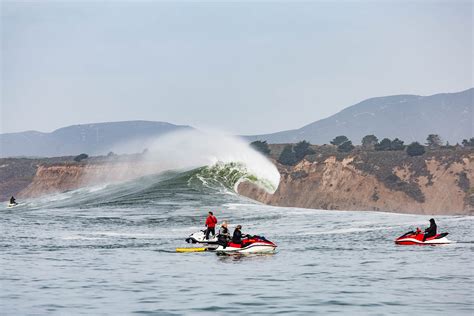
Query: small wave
x=75, y=237
x=127, y=235
x=346, y=231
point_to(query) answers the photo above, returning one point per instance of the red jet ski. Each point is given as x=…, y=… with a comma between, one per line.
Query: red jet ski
x=416, y=238
x=251, y=244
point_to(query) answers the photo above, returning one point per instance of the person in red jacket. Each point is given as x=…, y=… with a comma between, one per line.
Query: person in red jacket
x=211, y=222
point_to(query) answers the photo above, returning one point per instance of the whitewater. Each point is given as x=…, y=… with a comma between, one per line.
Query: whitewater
x=110, y=249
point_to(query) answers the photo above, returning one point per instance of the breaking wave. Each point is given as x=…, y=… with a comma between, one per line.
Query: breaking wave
x=181, y=163
x=220, y=158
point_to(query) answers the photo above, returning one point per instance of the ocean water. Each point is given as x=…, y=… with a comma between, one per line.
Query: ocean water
x=110, y=250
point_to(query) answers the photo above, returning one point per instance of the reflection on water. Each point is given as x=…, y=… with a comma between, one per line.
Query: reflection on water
x=251, y=257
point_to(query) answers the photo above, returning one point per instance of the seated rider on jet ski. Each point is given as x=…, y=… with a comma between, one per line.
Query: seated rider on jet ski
x=224, y=235
x=237, y=236
x=430, y=231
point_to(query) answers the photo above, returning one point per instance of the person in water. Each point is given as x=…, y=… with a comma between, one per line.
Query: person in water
x=211, y=222
x=430, y=231
x=224, y=235
x=12, y=200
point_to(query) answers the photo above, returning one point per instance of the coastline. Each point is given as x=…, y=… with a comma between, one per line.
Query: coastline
x=438, y=183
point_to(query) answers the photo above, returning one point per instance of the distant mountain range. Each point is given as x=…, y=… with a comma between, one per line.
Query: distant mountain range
x=408, y=117
x=93, y=139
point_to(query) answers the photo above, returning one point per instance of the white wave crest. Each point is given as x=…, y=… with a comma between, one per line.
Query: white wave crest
x=191, y=149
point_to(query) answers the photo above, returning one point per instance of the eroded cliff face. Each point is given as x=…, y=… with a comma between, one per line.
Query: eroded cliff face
x=69, y=176
x=421, y=186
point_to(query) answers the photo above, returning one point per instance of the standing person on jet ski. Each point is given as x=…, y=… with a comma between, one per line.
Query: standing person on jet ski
x=211, y=222
x=224, y=235
x=430, y=231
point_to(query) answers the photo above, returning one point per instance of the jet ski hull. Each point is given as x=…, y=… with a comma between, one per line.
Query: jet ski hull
x=249, y=249
x=200, y=238
x=412, y=238
x=254, y=244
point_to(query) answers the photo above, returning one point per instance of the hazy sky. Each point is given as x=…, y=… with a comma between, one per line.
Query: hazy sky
x=244, y=67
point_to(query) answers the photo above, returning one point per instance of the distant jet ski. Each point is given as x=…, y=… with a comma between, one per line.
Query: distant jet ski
x=252, y=244
x=200, y=238
x=414, y=238
x=12, y=202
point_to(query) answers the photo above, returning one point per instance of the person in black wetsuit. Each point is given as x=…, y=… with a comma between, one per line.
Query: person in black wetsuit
x=223, y=236
x=237, y=235
x=12, y=200
x=430, y=231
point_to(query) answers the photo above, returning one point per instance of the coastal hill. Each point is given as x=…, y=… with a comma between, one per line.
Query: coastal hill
x=408, y=117
x=93, y=139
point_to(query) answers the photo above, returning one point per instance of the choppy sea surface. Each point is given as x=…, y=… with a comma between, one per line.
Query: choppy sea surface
x=111, y=251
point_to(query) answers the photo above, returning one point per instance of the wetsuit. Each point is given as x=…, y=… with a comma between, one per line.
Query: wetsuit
x=12, y=200
x=211, y=222
x=430, y=231
x=223, y=236
x=237, y=236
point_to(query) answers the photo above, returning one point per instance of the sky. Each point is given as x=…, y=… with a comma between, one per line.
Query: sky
x=243, y=67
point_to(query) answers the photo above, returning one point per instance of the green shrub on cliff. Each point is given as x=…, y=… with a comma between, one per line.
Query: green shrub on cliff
x=385, y=144
x=369, y=142
x=397, y=144
x=415, y=149
x=302, y=149
x=433, y=141
x=261, y=146
x=468, y=143
x=81, y=157
x=339, y=140
x=287, y=156
x=345, y=147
